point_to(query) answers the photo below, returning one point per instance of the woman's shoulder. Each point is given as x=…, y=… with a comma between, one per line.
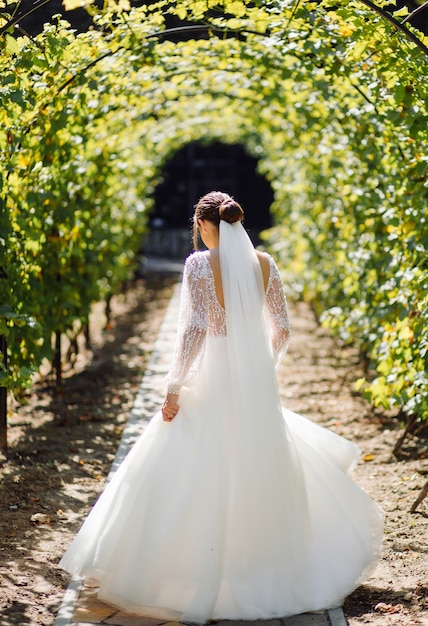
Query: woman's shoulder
x=197, y=262
x=264, y=257
x=267, y=265
x=267, y=260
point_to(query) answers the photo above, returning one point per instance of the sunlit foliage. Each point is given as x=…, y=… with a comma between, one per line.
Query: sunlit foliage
x=333, y=103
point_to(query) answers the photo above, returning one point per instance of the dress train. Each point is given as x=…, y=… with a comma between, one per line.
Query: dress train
x=207, y=520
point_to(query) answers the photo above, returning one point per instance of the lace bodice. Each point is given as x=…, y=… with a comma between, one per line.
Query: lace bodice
x=201, y=315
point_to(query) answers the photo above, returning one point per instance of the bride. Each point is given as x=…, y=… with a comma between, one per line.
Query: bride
x=229, y=506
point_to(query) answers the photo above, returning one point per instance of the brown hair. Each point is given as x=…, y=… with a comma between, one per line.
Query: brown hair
x=216, y=206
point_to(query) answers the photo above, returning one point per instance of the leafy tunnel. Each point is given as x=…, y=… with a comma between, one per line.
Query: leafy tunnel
x=329, y=102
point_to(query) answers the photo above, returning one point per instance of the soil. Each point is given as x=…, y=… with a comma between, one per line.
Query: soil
x=62, y=442
x=317, y=380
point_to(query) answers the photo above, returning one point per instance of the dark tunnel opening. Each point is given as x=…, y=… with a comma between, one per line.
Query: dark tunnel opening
x=193, y=171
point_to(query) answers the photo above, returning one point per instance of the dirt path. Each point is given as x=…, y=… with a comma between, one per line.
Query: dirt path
x=61, y=449
x=316, y=380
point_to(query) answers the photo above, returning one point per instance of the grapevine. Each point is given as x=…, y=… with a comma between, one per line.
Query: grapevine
x=333, y=104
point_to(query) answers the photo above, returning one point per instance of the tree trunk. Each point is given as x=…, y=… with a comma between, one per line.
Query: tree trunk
x=108, y=310
x=57, y=362
x=87, y=335
x=411, y=423
x=423, y=494
x=3, y=400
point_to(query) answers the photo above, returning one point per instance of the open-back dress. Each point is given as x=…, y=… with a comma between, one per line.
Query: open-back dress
x=238, y=508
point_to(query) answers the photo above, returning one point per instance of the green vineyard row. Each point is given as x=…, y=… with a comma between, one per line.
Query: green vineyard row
x=331, y=101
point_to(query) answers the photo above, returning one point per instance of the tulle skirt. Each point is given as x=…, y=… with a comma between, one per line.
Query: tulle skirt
x=205, y=519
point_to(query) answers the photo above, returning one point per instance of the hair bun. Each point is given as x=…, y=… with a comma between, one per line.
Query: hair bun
x=230, y=211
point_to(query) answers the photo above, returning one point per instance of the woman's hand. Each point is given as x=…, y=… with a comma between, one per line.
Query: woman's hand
x=170, y=407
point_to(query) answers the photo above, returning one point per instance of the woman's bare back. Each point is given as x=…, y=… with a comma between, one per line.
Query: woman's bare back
x=214, y=260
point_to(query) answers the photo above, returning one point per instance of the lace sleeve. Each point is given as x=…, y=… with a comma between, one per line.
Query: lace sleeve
x=192, y=324
x=277, y=313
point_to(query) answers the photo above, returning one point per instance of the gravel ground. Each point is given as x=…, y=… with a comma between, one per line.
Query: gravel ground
x=61, y=446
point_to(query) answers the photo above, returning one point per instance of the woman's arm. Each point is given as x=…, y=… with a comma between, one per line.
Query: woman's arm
x=277, y=313
x=192, y=327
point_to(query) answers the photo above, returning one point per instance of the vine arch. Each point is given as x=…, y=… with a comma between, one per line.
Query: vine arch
x=331, y=102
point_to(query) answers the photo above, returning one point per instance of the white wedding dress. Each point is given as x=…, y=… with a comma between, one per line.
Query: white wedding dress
x=238, y=508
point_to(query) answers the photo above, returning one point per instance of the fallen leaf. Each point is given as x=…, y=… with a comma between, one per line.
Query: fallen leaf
x=382, y=607
x=369, y=457
x=41, y=518
x=85, y=418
